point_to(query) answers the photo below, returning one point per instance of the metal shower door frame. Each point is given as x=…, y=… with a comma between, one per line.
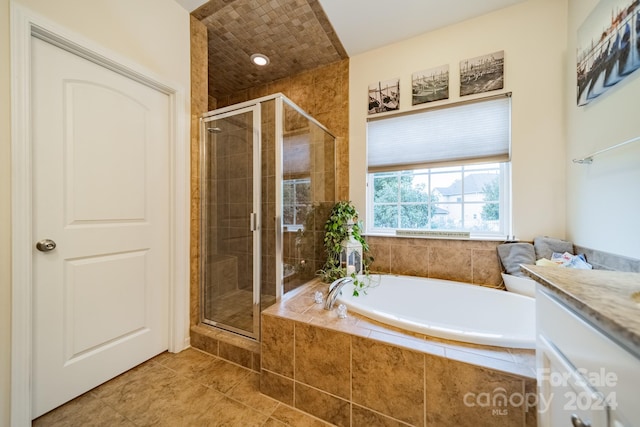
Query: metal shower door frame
x=255, y=216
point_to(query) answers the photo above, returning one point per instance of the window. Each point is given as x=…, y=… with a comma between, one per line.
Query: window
x=296, y=202
x=442, y=172
x=459, y=198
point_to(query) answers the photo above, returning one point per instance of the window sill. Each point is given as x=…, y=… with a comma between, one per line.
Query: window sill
x=493, y=238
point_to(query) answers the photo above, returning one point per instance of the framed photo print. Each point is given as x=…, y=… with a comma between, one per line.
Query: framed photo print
x=384, y=96
x=482, y=73
x=430, y=85
x=608, y=47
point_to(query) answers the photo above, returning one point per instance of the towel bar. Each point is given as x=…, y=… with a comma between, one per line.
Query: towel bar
x=589, y=159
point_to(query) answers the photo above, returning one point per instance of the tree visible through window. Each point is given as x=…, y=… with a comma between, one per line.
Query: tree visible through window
x=491, y=209
x=296, y=201
x=460, y=198
x=399, y=202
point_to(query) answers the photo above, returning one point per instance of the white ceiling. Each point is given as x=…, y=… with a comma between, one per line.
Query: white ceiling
x=191, y=5
x=363, y=25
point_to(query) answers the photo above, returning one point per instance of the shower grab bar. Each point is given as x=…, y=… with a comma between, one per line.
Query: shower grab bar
x=587, y=160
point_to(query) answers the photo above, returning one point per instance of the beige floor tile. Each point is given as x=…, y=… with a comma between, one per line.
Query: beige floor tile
x=159, y=396
x=207, y=370
x=293, y=417
x=247, y=391
x=228, y=412
x=85, y=410
x=272, y=422
x=187, y=362
x=187, y=389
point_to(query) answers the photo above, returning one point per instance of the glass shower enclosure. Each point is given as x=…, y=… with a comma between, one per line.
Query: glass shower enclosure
x=267, y=184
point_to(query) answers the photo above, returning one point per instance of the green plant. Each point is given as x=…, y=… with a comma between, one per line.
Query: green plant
x=335, y=232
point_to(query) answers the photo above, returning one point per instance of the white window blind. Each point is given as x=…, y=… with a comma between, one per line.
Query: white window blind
x=470, y=132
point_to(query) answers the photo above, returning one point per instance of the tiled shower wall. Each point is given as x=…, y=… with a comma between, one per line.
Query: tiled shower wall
x=308, y=153
x=199, y=97
x=231, y=198
x=324, y=94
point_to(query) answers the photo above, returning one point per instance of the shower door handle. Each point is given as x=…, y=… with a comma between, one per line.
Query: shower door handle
x=253, y=221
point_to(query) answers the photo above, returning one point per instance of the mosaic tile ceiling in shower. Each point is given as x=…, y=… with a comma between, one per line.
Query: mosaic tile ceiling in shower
x=295, y=34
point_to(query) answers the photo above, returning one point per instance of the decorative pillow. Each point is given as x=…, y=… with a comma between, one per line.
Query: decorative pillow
x=513, y=254
x=546, y=246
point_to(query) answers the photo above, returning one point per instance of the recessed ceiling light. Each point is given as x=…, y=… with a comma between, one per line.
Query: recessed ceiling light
x=259, y=59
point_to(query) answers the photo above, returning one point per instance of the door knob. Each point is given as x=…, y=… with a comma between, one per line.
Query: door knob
x=46, y=245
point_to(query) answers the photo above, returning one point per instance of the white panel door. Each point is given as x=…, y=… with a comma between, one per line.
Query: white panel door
x=100, y=145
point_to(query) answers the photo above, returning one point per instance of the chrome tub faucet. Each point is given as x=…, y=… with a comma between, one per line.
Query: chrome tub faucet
x=334, y=290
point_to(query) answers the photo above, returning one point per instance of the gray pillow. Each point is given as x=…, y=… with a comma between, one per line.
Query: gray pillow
x=513, y=254
x=546, y=246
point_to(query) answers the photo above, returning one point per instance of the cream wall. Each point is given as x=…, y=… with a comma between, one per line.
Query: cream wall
x=533, y=36
x=603, y=199
x=151, y=33
x=5, y=216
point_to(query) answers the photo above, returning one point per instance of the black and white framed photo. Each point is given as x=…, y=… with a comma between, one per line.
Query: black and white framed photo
x=384, y=96
x=482, y=73
x=430, y=85
x=608, y=47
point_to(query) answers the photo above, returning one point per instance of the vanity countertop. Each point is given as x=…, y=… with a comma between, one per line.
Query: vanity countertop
x=609, y=299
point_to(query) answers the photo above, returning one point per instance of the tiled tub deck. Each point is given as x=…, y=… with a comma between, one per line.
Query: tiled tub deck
x=358, y=372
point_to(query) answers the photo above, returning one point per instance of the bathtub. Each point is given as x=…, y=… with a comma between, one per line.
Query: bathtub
x=446, y=309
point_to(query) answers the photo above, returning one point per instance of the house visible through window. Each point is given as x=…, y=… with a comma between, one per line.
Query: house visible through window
x=444, y=170
x=296, y=201
x=460, y=198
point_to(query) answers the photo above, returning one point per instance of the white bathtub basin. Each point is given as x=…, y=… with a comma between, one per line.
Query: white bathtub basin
x=446, y=309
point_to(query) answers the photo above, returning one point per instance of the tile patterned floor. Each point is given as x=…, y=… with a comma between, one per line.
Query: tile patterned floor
x=191, y=388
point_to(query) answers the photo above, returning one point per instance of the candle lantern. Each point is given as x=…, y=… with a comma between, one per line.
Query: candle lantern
x=351, y=254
